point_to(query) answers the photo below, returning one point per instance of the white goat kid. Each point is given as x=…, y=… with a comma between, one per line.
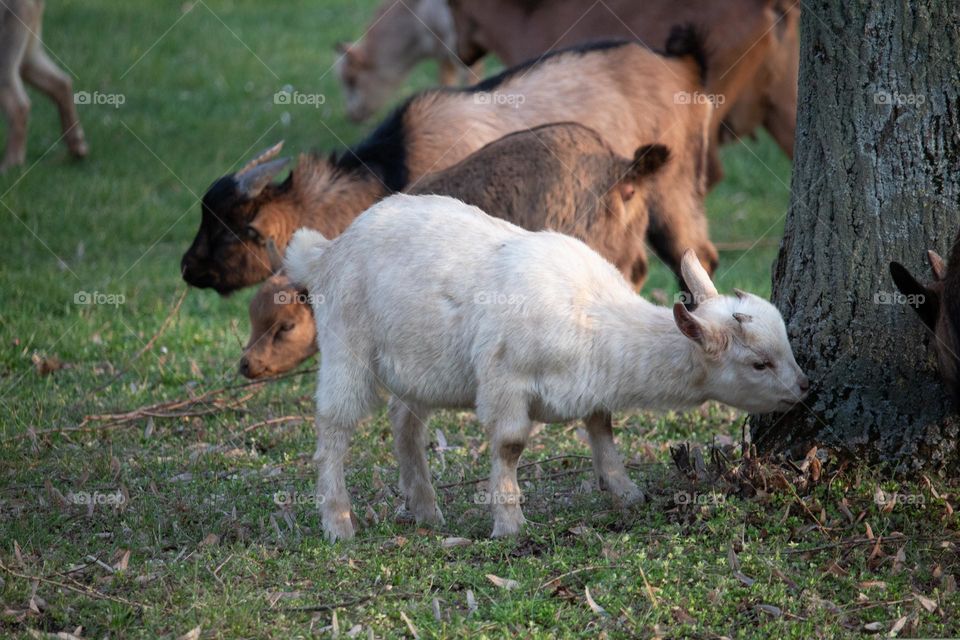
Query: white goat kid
x=444, y=306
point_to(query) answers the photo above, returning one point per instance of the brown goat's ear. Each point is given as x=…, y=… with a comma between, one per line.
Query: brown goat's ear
x=927, y=302
x=937, y=265
x=648, y=159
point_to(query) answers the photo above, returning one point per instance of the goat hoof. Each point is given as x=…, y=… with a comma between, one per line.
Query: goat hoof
x=507, y=528
x=339, y=528
x=432, y=517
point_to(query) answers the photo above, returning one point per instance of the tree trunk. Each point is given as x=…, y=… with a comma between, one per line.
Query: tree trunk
x=876, y=178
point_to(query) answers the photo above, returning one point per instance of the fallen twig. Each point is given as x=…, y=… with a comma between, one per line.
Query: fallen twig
x=80, y=588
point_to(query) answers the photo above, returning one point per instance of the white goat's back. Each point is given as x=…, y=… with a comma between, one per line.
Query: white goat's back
x=431, y=292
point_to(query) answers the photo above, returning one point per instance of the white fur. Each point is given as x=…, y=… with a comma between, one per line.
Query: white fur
x=442, y=305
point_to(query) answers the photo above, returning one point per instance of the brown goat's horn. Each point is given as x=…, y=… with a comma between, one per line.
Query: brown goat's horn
x=251, y=183
x=276, y=260
x=267, y=154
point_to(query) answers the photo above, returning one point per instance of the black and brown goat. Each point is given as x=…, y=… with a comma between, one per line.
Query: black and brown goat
x=938, y=305
x=561, y=176
x=244, y=212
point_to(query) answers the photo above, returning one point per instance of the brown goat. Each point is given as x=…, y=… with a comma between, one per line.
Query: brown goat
x=282, y=331
x=938, y=305
x=561, y=176
x=22, y=58
x=754, y=48
x=400, y=35
x=437, y=128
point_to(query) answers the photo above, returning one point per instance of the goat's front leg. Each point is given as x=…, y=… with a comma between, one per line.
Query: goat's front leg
x=333, y=440
x=409, y=422
x=607, y=463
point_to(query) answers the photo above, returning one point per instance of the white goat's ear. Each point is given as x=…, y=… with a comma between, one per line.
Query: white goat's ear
x=743, y=318
x=696, y=278
x=712, y=340
x=937, y=265
x=740, y=293
x=688, y=325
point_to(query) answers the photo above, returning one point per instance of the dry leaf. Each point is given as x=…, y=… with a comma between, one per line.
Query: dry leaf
x=683, y=616
x=593, y=604
x=770, y=610
x=123, y=562
x=873, y=627
x=449, y=543
x=413, y=629
x=435, y=605
x=873, y=584
x=46, y=366
x=471, y=603
x=926, y=603
x=745, y=579
x=211, y=540
x=193, y=634
x=504, y=583
x=897, y=627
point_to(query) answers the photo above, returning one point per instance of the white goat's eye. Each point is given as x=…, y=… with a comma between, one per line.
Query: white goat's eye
x=759, y=366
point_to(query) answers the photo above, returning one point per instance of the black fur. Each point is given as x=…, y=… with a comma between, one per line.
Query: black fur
x=383, y=151
x=687, y=40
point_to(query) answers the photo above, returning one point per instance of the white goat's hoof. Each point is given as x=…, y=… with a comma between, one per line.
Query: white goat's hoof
x=338, y=528
x=507, y=527
x=630, y=498
x=431, y=517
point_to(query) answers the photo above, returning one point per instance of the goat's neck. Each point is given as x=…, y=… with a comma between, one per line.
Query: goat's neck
x=650, y=364
x=329, y=206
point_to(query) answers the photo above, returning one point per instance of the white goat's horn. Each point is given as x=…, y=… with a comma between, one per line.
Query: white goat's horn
x=696, y=277
x=268, y=154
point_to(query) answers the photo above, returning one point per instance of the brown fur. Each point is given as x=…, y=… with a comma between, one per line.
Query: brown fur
x=938, y=305
x=562, y=177
x=282, y=331
x=229, y=251
x=753, y=44
x=438, y=128
x=22, y=58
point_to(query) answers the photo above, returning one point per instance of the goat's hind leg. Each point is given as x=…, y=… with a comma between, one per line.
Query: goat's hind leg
x=409, y=422
x=607, y=463
x=14, y=103
x=40, y=71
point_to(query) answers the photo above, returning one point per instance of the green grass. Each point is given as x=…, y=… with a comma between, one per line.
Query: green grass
x=209, y=547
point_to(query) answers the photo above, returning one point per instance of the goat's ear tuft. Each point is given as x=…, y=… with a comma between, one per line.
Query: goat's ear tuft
x=741, y=294
x=937, y=265
x=743, y=318
x=927, y=302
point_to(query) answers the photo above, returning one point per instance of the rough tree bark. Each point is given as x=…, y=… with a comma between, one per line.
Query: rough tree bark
x=876, y=178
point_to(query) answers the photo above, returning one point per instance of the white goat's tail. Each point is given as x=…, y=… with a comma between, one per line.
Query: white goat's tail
x=300, y=259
